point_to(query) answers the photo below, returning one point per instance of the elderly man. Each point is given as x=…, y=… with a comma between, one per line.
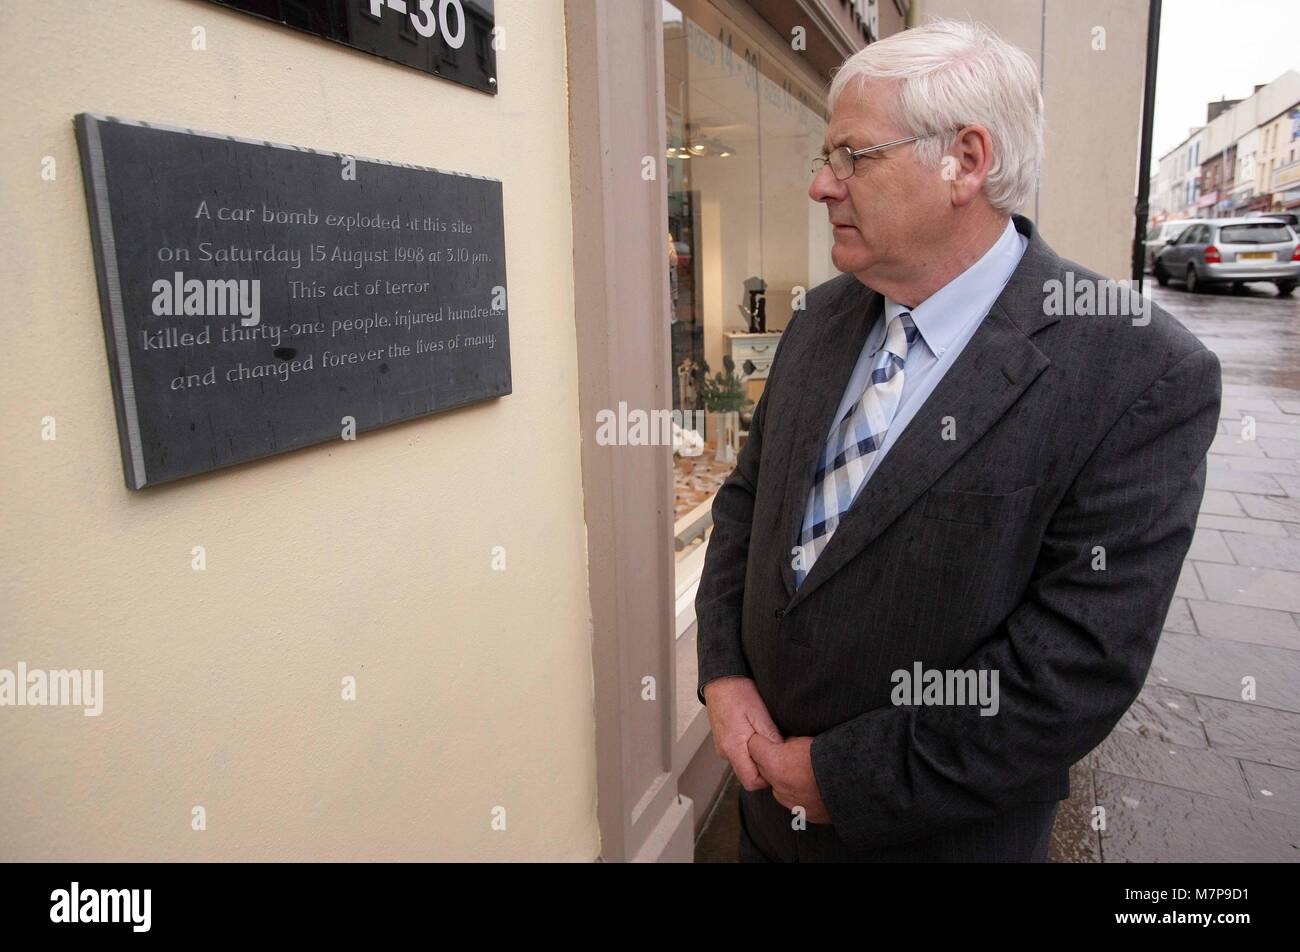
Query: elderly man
x=939, y=571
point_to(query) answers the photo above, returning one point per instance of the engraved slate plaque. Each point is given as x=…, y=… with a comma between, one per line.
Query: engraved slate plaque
x=258, y=298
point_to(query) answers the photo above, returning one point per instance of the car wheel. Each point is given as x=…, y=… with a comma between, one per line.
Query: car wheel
x=1194, y=284
x=1162, y=276
x=1284, y=288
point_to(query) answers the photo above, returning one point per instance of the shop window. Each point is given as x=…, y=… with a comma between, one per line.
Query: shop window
x=744, y=239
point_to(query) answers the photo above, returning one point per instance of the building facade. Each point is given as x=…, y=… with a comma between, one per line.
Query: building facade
x=1228, y=166
x=1180, y=176
x=1279, y=167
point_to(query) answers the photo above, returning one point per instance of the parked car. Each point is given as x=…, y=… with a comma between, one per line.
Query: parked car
x=1291, y=218
x=1232, y=251
x=1165, y=233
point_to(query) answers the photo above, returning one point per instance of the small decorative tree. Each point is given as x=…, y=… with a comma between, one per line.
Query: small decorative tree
x=723, y=397
x=723, y=392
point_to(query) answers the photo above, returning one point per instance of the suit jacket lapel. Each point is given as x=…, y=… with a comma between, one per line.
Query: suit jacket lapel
x=997, y=365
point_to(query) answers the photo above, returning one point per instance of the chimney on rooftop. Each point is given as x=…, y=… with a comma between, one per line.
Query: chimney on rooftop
x=1215, y=109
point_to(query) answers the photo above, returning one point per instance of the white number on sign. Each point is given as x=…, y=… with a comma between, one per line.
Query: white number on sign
x=425, y=23
x=457, y=41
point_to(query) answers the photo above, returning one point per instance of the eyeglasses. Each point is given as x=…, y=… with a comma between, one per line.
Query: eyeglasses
x=844, y=160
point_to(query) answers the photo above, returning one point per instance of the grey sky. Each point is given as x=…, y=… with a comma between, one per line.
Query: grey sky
x=1211, y=49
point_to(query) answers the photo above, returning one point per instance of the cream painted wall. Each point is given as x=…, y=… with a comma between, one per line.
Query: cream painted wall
x=1093, y=111
x=369, y=559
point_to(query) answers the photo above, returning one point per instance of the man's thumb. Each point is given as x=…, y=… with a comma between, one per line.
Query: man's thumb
x=760, y=746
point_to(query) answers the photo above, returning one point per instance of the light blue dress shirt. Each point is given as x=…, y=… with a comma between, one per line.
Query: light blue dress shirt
x=946, y=320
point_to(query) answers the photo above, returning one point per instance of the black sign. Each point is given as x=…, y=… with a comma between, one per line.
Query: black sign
x=449, y=38
x=258, y=298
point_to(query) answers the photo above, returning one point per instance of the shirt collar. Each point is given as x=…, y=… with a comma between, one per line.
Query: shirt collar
x=942, y=316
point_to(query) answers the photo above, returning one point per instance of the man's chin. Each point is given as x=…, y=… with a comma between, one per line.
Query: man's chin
x=849, y=260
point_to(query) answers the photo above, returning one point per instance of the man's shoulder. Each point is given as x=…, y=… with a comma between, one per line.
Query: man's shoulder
x=1100, y=319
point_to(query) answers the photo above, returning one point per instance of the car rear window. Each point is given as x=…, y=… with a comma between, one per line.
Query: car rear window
x=1255, y=234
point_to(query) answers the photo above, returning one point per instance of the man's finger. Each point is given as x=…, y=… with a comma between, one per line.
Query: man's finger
x=748, y=774
x=763, y=751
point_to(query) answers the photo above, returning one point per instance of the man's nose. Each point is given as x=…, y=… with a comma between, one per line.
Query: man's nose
x=825, y=186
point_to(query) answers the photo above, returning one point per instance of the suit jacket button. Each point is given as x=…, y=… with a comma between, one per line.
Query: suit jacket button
x=780, y=613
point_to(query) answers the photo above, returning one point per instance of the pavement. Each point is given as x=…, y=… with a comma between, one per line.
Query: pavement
x=1205, y=766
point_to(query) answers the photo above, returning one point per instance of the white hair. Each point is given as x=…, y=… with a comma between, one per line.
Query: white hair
x=953, y=73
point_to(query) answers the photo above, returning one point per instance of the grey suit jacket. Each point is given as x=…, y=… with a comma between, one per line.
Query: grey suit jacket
x=1077, y=438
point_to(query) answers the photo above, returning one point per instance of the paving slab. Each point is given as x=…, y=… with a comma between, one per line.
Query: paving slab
x=1148, y=758
x=1258, y=464
x=1221, y=503
x=1260, y=626
x=1290, y=483
x=1261, y=551
x=1247, y=585
x=1282, y=509
x=1216, y=667
x=1237, y=481
x=1251, y=731
x=1277, y=448
x=1166, y=715
x=1232, y=446
x=1180, y=618
x=1208, y=546
x=1234, y=415
x=1148, y=822
x=1269, y=527
x=1266, y=428
x=1234, y=402
x=1189, y=586
x=1276, y=788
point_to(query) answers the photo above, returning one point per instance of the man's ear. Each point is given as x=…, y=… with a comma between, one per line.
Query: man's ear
x=966, y=166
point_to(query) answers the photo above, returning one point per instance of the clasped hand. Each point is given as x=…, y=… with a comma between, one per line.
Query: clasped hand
x=743, y=733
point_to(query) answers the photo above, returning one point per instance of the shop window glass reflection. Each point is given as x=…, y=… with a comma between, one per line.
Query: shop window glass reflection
x=744, y=239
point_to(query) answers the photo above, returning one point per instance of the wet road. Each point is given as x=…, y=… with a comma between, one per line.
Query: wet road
x=1256, y=334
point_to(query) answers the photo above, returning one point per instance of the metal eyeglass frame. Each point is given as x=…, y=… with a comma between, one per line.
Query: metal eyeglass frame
x=854, y=154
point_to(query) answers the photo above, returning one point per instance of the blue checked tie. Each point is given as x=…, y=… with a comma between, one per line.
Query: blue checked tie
x=855, y=441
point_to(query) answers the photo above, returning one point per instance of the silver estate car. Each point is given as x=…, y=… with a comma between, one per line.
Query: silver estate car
x=1232, y=251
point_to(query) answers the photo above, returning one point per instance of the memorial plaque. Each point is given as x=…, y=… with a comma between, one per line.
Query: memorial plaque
x=452, y=39
x=259, y=298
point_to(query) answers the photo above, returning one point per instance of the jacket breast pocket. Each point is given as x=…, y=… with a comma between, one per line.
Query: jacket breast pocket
x=979, y=509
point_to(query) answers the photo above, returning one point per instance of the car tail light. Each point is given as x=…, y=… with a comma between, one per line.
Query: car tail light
x=1212, y=255
x=1295, y=255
